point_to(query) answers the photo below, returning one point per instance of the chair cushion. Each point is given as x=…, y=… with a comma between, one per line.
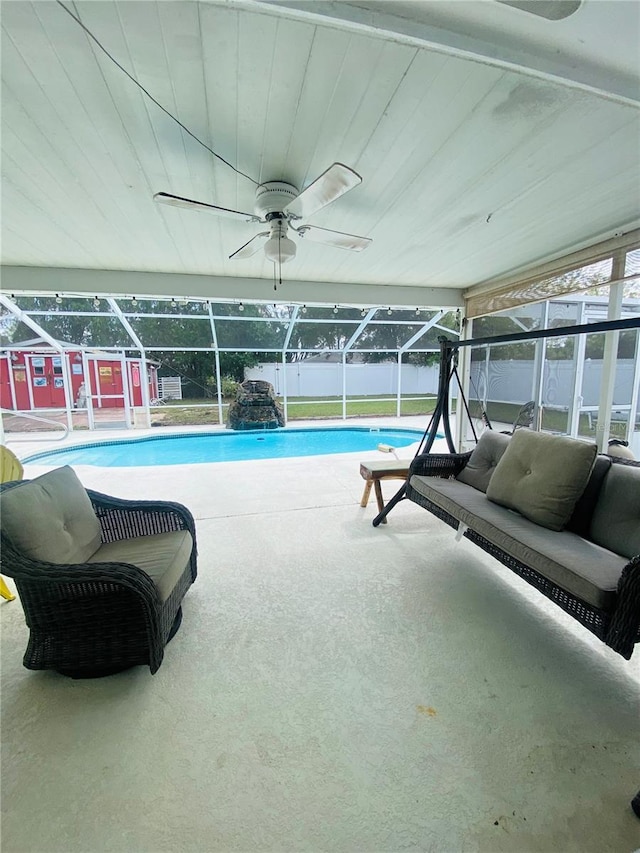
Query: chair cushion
x=51, y=518
x=615, y=523
x=482, y=462
x=542, y=476
x=162, y=556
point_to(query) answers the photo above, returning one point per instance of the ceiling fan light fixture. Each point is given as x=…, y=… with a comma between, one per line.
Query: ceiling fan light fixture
x=279, y=249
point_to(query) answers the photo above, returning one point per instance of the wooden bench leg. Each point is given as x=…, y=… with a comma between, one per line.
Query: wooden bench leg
x=366, y=493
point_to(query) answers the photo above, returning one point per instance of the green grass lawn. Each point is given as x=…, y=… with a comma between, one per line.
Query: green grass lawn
x=298, y=408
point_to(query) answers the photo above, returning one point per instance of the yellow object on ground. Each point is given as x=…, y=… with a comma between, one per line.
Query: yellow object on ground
x=10, y=469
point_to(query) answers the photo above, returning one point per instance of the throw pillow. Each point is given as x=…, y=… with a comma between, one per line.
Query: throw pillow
x=482, y=462
x=542, y=476
x=616, y=519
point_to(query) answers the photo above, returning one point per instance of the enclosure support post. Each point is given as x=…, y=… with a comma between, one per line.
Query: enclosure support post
x=465, y=369
x=538, y=369
x=284, y=384
x=144, y=387
x=344, y=386
x=577, y=398
x=611, y=339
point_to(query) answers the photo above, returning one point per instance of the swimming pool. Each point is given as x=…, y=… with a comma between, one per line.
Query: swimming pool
x=227, y=446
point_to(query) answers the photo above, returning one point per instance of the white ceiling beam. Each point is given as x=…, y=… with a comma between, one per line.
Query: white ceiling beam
x=577, y=54
x=124, y=283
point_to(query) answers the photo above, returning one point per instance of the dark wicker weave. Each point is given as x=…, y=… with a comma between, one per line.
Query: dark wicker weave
x=96, y=618
x=618, y=627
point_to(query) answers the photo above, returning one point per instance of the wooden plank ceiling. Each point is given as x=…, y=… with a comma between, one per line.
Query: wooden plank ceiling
x=470, y=170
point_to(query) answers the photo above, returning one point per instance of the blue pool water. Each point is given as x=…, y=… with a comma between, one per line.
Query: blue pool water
x=227, y=446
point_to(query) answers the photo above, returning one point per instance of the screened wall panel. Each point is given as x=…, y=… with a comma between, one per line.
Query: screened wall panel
x=170, y=332
x=254, y=335
x=102, y=331
x=327, y=335
x=12, y=330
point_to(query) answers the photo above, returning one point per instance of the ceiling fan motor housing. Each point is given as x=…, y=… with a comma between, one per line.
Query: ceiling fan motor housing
x=273, y=197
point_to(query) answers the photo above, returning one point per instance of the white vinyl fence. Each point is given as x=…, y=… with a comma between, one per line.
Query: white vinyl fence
x=512, y=382
x=316, y=379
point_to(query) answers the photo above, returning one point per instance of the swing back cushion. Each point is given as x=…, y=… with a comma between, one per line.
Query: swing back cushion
x=542, y=476
x=482, y=462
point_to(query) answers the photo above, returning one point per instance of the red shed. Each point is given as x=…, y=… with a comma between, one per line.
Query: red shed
x=34, y=376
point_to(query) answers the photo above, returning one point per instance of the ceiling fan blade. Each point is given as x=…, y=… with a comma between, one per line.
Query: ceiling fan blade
x=190, y=204
x=250, y=247
x=334, y=238
x=336, y=181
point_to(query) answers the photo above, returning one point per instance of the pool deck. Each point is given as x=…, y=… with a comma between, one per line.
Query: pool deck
x=305, y=481
x=333, y=686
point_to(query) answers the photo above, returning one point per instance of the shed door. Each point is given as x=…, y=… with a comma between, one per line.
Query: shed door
x=47, y=381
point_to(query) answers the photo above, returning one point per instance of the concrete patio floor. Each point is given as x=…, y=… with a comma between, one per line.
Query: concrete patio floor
x=333, y=687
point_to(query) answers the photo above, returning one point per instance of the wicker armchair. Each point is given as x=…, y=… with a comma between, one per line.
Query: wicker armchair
x=116, y=606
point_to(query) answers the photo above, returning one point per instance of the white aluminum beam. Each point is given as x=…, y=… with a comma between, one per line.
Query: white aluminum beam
x=125, y=283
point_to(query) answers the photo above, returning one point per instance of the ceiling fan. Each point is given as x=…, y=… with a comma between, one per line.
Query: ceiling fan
x=280, y=206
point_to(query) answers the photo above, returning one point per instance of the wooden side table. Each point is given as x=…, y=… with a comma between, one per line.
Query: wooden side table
x=374, y=472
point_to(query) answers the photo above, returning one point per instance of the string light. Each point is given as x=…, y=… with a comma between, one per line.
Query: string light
x=304, y=309
x=417, y=312
x=96, y=302
x=363, y=313
x=389, y=311
x=134, y=301
x=335, y=309
x=174, y=304
x=241, y=307
x=58, y=298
